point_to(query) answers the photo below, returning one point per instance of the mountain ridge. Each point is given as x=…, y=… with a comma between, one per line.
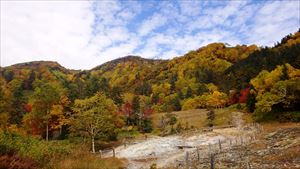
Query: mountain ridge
x=288, y=40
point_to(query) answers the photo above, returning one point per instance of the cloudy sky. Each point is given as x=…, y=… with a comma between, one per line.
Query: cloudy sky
x=84, y=34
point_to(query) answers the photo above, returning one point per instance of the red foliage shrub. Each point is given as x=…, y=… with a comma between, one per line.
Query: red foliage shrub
x=27, y=108
x=14, y=161
x=148, y=112
x=244, y=95
x=35, y=126
x=127, y=109
x=233, y=97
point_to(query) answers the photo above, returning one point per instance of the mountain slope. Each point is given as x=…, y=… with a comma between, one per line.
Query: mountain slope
x=200, y=78
x=288, y=51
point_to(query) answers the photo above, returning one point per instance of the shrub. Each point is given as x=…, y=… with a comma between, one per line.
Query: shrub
x=290, y=116
x=9, y=159
x=26, y=147
x=147, y=126
x=239, y=106
x=210, y=117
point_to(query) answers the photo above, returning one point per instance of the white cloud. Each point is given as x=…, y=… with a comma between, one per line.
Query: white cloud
x=156, y=21
x=44, y=31
x=273, y=21
x=190, y=8
x=84, y=34
x=120, y=50
x=105, y=12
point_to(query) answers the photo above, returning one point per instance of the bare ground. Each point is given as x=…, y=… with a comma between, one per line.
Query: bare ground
x=243, y=146
x=171, y=151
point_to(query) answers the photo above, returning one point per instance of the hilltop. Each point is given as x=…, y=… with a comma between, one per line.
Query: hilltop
x=212, y=87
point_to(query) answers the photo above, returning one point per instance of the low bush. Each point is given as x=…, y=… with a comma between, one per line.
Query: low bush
x=9, y=159
x=239, y=106
x=290, y=117
x=21, y=148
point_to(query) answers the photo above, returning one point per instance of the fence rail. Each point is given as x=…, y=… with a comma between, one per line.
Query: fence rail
x=218, y=151
x=213, y=153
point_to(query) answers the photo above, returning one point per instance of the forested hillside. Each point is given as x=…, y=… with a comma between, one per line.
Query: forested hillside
x=129, y=95
x=287, y=51
x=40, y=97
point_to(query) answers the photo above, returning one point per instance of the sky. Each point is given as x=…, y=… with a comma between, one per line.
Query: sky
x=84, y=34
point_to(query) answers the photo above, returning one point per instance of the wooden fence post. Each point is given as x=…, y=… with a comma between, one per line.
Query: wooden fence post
x=187, y=160
x=212, y=161
x=198, y=154
x=209, y=148
x=114, y=153
x=248, y=164
x=100, y=152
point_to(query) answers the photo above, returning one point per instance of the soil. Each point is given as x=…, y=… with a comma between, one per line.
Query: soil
x=243, y=146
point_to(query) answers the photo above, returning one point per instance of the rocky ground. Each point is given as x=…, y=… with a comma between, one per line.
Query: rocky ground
x=250, y=146
x=172, y=151
x=276, y=150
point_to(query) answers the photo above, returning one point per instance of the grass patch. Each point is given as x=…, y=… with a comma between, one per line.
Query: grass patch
x=195, y=118
x=81, y=159
x=222, y=117
x=129, y=133
x=247, y=117
x=198, y=117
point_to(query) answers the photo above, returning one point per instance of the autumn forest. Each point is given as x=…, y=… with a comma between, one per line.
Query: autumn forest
x=47, y=110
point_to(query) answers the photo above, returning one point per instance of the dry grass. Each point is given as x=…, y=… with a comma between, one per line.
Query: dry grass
x=90, y=162
x=258, y=145
x=285, y=156
x=223, y=117
x=273, y=126
x=247, y=117
x=81, y=159
x=196, y=118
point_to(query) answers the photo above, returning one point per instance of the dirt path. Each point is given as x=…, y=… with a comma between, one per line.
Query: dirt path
x=171, y=150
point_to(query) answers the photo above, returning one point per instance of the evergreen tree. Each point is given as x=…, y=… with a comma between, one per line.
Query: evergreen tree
x=176, y=103
x=172, y=82
x=116, y=95
x=189, y=93
x=136, y=108
x=210, y=117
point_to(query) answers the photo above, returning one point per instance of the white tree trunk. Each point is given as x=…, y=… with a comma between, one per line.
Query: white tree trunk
x=93, y=144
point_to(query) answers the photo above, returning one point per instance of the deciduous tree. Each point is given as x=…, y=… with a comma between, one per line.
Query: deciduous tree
x=96, y=116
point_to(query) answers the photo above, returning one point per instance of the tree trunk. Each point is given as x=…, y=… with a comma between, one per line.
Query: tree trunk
x=93, y=144
x=47, y=132
x=60, y=131
x=47, y=125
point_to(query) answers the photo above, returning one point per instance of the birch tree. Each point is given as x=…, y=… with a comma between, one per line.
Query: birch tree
x=94, y=116
x=44, y=97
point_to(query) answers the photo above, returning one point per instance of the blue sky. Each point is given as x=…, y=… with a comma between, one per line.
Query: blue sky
x=84, y=34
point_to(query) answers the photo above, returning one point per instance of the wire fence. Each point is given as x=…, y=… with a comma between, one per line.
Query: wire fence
x=221, y=151
x=211, y=155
